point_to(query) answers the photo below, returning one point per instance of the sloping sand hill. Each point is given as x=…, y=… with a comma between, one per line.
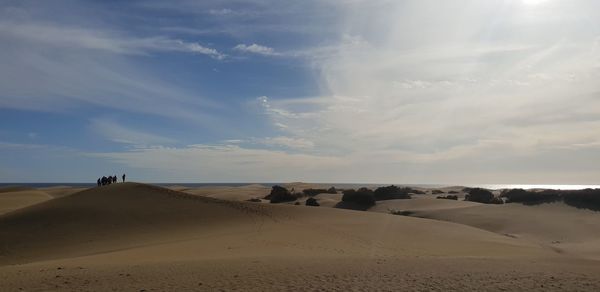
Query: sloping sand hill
x=564, y=228
x=137, y=237
x=242, y=193
x=420, y=203
x=13, y=200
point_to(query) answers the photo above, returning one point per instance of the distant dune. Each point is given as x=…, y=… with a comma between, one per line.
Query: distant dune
x=131, y=236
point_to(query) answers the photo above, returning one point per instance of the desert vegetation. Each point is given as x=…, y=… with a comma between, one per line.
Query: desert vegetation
x=586, y=199
x=363, y=197
x=392, y=192
x=314, y=192
x=481, y=196
x=448, y=197
x=312, y=202
x=280, y=194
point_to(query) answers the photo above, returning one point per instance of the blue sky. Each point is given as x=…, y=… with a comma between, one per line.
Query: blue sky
x=501, y=91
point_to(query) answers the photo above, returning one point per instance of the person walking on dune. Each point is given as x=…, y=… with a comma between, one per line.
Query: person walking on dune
x=123, y=177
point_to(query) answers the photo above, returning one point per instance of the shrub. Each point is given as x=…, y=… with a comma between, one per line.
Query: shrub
x=413, y=191
x=362, y=196
x=530, y=197
x=312, y=202
x=313, y=192
x=453, y=192
x=256, y=200
x=332, y=190
x=497, y=201
x=436, y=192
x=479, y=195
x=448, y=197
x=280, y=194
x=587, y=199
x=391, y=192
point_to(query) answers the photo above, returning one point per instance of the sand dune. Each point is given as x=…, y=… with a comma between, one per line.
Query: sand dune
x=133, y=236
x=13, y=200
x=61, y=191
x=242, y=193
x=564, y=228
x=420, y=203
x=15, y=188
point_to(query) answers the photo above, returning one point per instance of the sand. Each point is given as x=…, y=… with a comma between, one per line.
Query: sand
x=132, y=236
x=14, y=200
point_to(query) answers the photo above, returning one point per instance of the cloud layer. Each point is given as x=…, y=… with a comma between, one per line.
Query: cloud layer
x=402, y=91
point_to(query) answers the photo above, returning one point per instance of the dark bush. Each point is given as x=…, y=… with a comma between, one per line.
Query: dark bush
x=332, y=190
x=312, y=202
x=453, y=192
x=391, y=192
x=436, y=192
x=413, y=191
x=448, y=197
x=530, y=197
x=256, y=200
x=479, y=195
x=497, y=201
x=280, y=194
x=297, y=203
x=362, y=196
x=314, y=192
x=587, y=199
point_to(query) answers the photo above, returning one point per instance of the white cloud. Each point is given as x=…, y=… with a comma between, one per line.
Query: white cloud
x=54, y=68
x=115, y=132
x=451, y=88
x=61, y=36
x=256, y=49
x=289, y=142
x=223, y=11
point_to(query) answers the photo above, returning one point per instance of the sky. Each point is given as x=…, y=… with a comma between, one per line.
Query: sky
x=415, y=91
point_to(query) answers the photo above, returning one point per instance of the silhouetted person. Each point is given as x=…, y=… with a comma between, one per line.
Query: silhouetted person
x=123, y=177
x=99, y=182
x=104, y=180
x=114, y=179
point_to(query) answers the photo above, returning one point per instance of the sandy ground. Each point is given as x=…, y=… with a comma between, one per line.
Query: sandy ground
x=138, y=237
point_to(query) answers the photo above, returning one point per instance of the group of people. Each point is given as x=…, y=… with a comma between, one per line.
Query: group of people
x=109, y=180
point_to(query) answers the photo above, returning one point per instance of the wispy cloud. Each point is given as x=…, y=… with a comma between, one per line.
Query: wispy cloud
x=405, y=100
x=116, y=132
x=289, y=142
x=61, y=36
x=48, y=67
x=256, y=49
